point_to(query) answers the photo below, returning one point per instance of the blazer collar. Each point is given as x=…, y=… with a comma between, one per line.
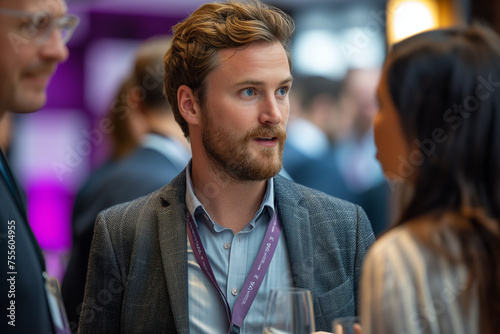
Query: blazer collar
x=173, y=247
x=13, y=187
x=297, y=229
x=19, y=198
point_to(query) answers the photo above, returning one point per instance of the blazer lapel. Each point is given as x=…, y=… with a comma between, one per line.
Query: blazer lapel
x=173, y=248
x=298, y=234
x=12, y=185
x=18, y=197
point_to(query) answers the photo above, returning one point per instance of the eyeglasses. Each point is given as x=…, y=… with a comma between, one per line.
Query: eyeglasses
x=38, y=26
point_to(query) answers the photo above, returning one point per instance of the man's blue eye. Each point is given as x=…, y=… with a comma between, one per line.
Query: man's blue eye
x=282, y=91
x=248, y=92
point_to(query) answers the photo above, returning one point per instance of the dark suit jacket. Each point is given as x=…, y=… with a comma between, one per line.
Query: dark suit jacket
x=142, y=172
x=137, y=278
x=32, y=314
x=323, y=173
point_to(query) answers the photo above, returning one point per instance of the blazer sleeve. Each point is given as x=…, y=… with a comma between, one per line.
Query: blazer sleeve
x=364, y=239
x=104, y=287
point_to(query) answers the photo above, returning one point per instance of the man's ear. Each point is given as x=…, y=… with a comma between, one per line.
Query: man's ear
x=188, y=105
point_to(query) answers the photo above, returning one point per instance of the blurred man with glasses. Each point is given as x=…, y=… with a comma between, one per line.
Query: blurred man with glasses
x=33, y=36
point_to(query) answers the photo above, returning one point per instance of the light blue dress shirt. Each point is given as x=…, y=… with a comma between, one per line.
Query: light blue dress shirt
x=231, y=258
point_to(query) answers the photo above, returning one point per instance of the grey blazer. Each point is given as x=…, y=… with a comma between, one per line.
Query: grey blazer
x=137, y=275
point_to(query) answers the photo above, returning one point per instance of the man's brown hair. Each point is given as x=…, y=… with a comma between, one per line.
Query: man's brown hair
x=196, y=40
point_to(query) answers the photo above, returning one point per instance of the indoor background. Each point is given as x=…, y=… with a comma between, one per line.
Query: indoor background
x=55, y=150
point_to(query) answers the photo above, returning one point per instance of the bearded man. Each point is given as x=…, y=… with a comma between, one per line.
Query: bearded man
x=202, y=254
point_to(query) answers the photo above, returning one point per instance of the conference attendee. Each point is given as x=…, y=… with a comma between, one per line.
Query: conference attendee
x=202, y=254
x=316, y=124
x=128, y=126
x=162, y=153
x=123, y=141
x=30, y=54
x=437, y=134
x=321, y=142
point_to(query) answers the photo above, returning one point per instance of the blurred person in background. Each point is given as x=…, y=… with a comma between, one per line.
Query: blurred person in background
x=316, y=123
x=437, y=134
x=324, y=130
x=128, y=129
x=357, y=155
x=355, y=158
x=33, y=36
x=129, y=125
x=149, y=151
x=227, y=77
x=315, y=130
x=125, y=138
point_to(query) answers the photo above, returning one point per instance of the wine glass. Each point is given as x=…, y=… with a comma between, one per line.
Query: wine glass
x=289, y=311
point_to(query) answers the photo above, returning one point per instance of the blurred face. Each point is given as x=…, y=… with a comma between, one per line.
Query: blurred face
x=339, y=123
x=361, y=86
x=26, y=67
x=246, y=110
x=392, y=148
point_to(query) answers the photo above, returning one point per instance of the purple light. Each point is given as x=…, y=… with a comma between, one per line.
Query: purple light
x=49, y=211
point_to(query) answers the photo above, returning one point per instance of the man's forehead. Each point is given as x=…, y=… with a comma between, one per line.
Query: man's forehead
x=53, y=7
x=274, y=54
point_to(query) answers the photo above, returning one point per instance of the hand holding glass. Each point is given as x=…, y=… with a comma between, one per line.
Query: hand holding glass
x=289, y=311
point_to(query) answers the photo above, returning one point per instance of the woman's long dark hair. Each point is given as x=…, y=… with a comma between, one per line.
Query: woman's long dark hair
x=445, y=85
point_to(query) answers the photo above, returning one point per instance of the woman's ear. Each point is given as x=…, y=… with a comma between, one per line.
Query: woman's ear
x=188, y=105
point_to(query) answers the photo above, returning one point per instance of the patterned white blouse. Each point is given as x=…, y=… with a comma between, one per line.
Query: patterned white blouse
x=407, y=288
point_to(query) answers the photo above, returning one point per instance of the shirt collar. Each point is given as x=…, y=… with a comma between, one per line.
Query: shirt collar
x=196, y=209
x=170, y=147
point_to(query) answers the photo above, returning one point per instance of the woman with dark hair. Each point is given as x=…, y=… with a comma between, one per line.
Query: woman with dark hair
x=438, y=135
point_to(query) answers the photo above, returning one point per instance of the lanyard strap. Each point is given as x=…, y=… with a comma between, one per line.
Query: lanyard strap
x=254, y=278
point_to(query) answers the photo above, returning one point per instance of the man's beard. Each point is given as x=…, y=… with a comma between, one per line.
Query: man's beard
x=230, y=156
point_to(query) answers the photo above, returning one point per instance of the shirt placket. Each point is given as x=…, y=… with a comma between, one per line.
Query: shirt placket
x=237, y=266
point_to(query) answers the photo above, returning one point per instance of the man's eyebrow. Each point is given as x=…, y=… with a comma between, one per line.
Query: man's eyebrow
x=251, y=82
x=287, y=80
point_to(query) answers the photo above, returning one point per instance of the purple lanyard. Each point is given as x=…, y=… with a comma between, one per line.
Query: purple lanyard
x=254, y=278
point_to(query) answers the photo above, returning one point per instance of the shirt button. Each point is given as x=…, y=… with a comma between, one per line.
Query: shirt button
x=227, y=245
x=234, y=292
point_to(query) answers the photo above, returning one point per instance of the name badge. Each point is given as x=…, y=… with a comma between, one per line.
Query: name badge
x=56, y=305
